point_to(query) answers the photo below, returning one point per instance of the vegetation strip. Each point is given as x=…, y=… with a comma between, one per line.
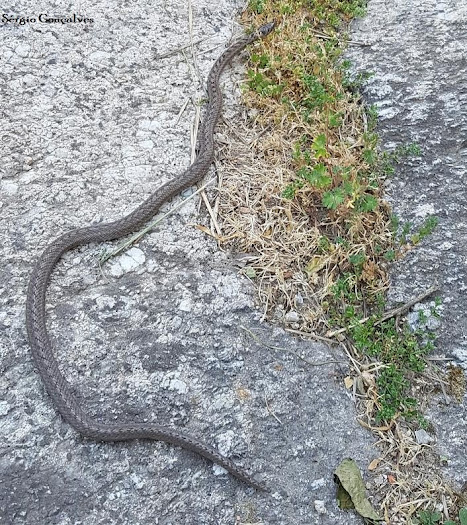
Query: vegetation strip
x=302, y=194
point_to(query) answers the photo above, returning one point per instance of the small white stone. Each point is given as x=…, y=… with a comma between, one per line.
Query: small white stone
x=446, y=246
x=4, y=408
x=171, y=382
x=218, y=470
x=9, y=187
x=105, y=302
x=139, y=483
x=147, y=144
x=225, y=442
x=178, y=386
x=137, y=174
x=318, y=483
x=99, y=57
x=292, y=317
x=127, y=262
x=150, y=125
x=22, y=50
x=423, y=210
x=185, y=305
x=320, y=507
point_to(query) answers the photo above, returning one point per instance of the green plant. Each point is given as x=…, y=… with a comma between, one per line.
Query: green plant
x=428, y=517
x=257, y=6
x=402, y=353
x=260, y=83
x=388, y=159
x=425, y=229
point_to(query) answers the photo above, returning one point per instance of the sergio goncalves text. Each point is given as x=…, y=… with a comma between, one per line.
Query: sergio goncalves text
x=44, y=18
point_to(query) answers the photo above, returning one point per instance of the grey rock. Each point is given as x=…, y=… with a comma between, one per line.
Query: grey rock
x=423, y=438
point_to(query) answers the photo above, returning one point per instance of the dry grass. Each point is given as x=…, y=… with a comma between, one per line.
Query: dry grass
x=288, y=266
x=301, y=247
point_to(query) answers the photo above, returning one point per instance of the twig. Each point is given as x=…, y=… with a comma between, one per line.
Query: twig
x=180, y=113
x=352, y=42
x=180, y=49
x=310, y=335
x=211, y=214
x=391, y=313
x=271, y=412
x=137, y=236
x=307, y=361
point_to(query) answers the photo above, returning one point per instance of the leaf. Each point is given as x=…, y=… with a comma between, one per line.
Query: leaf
x=351, y=482
x=332, y=199
x=463, y=516
x=318, y=176
x=343, y=499
x=319, y=146
x=429, y=518
x=316, y=263
x=249, y=272
x=357, y=259
x=367, y=202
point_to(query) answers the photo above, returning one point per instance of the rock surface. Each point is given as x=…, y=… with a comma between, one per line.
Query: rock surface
x=419, y=85
x=91, y=124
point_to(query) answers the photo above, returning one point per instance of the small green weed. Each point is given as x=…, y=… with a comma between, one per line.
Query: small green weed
x=389, y=159
x=425, y=229
x=428, y=517
x=257, y=6
x=402, y=353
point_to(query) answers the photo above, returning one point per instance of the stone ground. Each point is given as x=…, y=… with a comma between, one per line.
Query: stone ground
x=418, y=58
x=91, y=124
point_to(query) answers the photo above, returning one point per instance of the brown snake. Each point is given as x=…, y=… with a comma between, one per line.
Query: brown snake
x=41, y=347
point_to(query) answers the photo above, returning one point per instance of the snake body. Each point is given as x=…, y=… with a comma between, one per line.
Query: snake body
x=41, y=347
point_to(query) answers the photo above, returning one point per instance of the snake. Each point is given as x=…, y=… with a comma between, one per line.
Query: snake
x=58, y=388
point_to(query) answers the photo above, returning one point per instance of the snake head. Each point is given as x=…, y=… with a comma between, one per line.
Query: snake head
x=265, y=29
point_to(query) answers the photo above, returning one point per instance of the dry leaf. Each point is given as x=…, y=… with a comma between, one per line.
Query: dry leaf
x=351, y=489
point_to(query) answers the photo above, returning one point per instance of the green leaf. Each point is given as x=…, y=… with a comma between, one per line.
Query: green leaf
x=367, y=203
x=335, y=120
x=289, y=192
x=319, y=146
x=357, y=259
x=463, y=516
x=318, y=176
x=332, y=199
x=427, y=517
x=249, y=272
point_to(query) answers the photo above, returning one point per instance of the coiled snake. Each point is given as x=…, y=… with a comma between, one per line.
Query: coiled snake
x=41, y=347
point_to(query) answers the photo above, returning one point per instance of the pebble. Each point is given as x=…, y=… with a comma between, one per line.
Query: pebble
x=320, y=507
x=292, y=317
x=4, y=408
x=127, y=262
x=423, y=438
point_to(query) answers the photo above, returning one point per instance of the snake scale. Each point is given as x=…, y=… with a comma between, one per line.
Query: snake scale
x=41, y=347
